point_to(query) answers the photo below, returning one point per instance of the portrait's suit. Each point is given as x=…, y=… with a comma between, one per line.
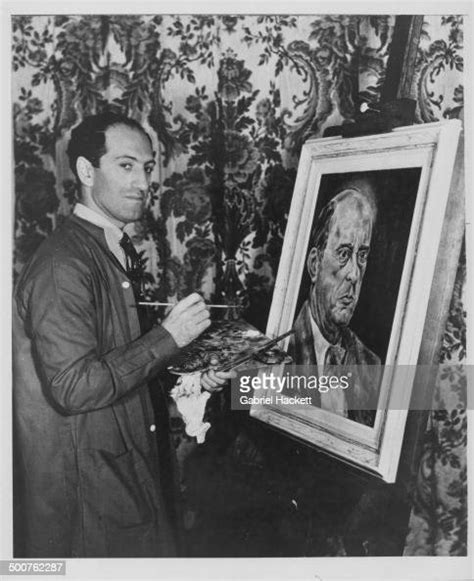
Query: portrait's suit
x=362, y=394
x=86, y=469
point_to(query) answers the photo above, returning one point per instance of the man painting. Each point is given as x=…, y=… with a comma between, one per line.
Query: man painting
x=336, y=264
x=87, y=478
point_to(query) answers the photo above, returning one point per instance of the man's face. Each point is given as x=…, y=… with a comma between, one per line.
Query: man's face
x=121, y=181
x=338, y=271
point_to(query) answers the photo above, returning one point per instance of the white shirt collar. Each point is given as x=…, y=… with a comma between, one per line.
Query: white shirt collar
x=321, y=344
x=94, y=217
x=112, y=233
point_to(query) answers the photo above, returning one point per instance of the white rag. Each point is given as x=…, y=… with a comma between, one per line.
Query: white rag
x=191, y=404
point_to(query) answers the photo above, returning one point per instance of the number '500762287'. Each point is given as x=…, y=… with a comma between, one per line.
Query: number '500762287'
x=35, y=566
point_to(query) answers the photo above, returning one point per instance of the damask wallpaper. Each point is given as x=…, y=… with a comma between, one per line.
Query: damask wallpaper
x=229, y=101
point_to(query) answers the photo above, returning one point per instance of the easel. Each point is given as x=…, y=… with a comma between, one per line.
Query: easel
x=396, y=107
x=319, y=498
x=343, y=500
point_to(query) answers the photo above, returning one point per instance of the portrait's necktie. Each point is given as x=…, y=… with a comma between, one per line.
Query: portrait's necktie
x=335, y=399
x=334, y=356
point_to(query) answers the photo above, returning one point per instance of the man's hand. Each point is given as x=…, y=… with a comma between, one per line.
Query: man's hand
x=213, y=380
x=187, y=320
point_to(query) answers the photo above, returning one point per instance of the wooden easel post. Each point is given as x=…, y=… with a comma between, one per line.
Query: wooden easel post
x=401, y=61
x=397, y=106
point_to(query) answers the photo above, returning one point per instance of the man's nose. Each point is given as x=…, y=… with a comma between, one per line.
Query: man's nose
x=142, y=180
x=353, y=270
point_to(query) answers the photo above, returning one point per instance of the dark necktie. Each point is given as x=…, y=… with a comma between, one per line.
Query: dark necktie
x=136, y=273
x=132, y=259
x=335, y=401
x=334, y=357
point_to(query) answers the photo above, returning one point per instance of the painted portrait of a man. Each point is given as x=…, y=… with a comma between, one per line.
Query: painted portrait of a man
x=348, y=230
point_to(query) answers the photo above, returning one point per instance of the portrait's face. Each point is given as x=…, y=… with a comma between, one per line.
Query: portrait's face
x=121, y=182
x=337, y=271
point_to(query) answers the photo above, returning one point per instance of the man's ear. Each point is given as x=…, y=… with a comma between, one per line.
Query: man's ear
x=312, y=263
x=85, y=171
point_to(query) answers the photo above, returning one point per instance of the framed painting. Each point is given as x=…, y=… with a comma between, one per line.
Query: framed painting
x=354, y=284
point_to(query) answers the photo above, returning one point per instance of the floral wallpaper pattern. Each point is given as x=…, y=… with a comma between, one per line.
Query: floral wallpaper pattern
x=228, y=101
x=438, y=524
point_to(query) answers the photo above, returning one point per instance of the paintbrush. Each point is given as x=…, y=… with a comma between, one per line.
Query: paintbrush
x=156, y=304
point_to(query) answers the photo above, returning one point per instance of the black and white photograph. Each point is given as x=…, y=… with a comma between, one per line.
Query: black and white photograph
x=194, y=191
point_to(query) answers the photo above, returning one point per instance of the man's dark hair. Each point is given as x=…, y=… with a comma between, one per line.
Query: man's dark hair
x=320, y=233
x=88, y=138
